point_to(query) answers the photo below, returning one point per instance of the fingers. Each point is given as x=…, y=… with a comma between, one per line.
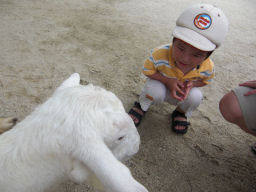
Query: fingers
x=188, y=84
x=249, y=84
x=186, y=93
x=180, y=84
x=179, y=91
x=252, y=92
x=176, y=95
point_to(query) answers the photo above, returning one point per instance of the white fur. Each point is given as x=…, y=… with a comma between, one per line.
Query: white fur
x=78, y=131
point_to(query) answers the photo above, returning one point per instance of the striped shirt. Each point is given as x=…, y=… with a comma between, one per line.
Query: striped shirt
x=161, y=61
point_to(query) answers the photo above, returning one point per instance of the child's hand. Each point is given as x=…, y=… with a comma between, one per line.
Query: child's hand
x=187, y=87
x=176, y=88
x=251, y=84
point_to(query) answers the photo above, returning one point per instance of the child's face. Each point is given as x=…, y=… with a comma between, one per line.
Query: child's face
x=186, y=56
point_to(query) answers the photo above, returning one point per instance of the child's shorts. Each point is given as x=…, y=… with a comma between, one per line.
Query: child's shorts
x=248, y=106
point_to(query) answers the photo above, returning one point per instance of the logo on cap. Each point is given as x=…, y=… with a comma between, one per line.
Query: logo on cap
x=203, y=21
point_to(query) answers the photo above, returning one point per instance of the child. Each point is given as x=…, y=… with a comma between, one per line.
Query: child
x=174, y=72
x=239, y=107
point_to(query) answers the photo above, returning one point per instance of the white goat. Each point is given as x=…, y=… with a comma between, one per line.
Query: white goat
x=78, y=131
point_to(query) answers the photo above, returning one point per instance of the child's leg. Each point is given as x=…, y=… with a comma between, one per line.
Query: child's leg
x=184, y=109
x=193, y=100
x=187, y=106
x=154, y=92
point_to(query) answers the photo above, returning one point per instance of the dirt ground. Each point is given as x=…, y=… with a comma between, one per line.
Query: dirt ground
x=42, y=42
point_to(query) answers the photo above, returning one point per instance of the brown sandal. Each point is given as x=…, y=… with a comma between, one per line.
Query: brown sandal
x=175, y=123
x=136, y=114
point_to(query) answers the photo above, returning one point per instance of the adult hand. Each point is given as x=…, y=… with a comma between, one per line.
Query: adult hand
x=251, y=84
x=176, y=88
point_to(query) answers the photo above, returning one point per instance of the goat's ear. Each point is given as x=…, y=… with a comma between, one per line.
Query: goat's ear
x=72, y=81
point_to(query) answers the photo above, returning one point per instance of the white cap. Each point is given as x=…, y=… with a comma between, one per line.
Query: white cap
x=203, y=26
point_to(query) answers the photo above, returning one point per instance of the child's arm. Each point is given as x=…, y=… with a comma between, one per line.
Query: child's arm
x=198, y=83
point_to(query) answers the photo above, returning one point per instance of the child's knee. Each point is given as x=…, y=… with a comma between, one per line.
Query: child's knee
x=158, y=96
x=195, y=97
x=155, y=91
x=193, y=100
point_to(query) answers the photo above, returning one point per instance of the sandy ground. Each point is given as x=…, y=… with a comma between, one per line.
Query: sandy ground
x=43, y=41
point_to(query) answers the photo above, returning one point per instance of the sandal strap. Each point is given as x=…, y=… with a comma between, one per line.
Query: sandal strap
x=175, y=123
x=138, y=106
x=178, y=114
x=136, y=114
x=181, y=123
